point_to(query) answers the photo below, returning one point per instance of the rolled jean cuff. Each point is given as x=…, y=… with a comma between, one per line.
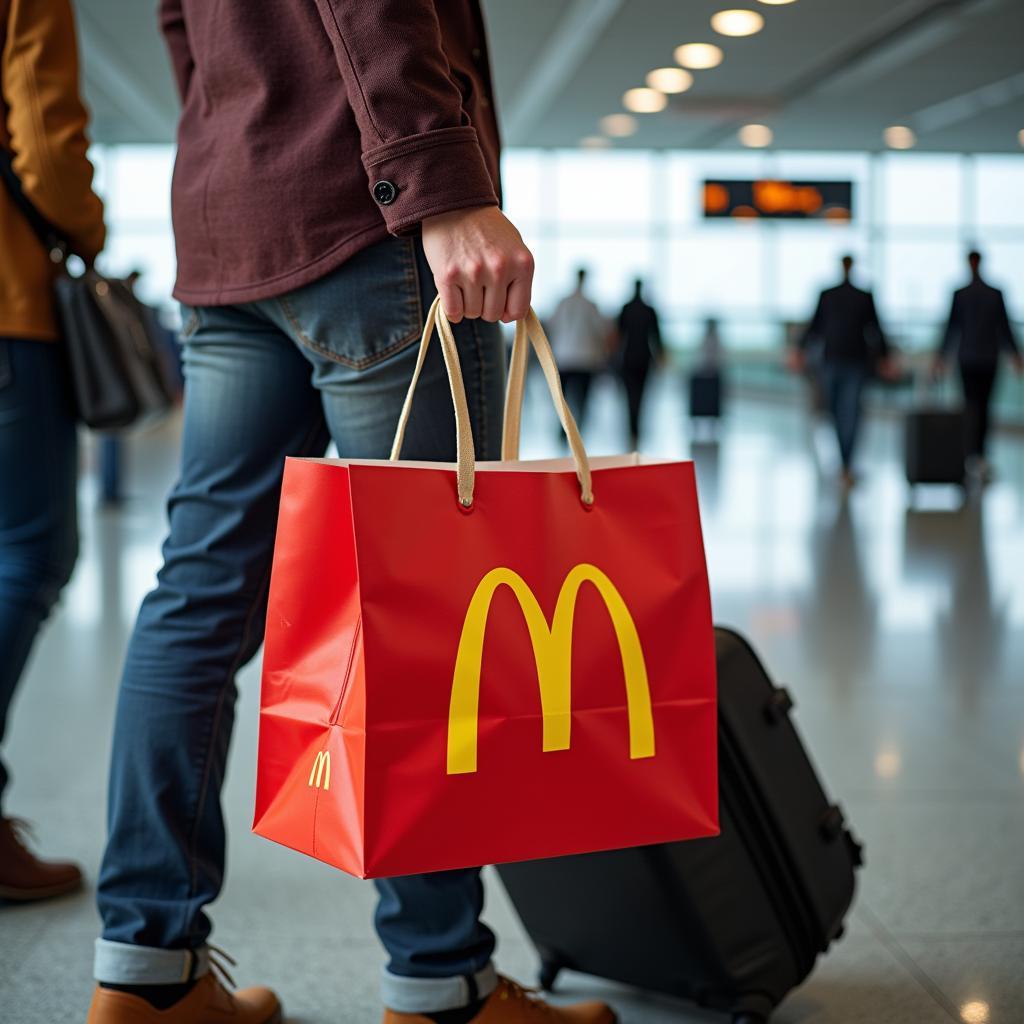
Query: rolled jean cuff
x=122, y=963
x=432, y=995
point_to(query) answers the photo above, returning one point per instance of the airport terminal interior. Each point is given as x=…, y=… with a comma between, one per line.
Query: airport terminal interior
x=731, y=185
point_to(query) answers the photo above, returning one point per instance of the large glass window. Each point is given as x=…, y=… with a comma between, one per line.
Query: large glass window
x=924, y=190
x=638, y=214
x=999, y=192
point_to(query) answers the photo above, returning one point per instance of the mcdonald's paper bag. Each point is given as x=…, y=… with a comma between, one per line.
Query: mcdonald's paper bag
x=527, y=677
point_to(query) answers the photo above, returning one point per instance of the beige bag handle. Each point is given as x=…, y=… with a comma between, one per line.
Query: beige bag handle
x=465, y=471
x=529, y=330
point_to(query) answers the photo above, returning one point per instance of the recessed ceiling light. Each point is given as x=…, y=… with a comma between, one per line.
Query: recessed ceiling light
x=644, y=101
x=756, y=136
x=618, y=126
x=888, y=763
x=669, y=80
x=975, y=1012
x=699, y=56
x=777, y=3
x=737, y=23
x=899, y=136
x=595, y=142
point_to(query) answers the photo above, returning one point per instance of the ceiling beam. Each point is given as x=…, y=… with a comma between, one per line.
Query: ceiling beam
x=969, y=104
x=132, y=95
x=909, y=30
x=557, y=62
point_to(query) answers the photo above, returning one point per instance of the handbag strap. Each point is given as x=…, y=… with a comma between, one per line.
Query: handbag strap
x=51, y=239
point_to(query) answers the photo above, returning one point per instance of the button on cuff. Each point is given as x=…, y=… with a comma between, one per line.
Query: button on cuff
x=385, y=192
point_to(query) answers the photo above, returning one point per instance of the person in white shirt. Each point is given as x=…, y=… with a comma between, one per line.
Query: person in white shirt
x=580, y=338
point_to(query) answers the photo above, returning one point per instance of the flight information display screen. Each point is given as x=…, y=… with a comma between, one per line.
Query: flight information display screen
x=778, y=198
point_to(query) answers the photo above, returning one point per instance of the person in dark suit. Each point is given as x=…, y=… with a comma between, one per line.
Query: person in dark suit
x=854, y=347
x=639, y=345
x=979, y=329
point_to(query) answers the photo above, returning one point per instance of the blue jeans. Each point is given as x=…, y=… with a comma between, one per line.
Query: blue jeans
x=843, y=384
x=38, y=516
x=264, y=380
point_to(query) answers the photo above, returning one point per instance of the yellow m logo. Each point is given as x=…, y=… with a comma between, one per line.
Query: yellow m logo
x=552, y=649
x=321, y=771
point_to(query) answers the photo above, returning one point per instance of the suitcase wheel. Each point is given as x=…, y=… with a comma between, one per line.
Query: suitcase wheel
x=549, y=971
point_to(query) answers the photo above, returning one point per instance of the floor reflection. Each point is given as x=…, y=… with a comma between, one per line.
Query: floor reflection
x=898, y=627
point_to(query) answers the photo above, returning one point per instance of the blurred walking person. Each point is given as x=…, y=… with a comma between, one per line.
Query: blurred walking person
x=706, y=385
x=853, y=349
x=42, y=139
x=980, y=332
x=711, y=354
x=580, y=338
x=639, y=345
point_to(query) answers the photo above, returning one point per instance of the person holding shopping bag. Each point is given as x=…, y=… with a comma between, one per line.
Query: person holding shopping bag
x=337, y=169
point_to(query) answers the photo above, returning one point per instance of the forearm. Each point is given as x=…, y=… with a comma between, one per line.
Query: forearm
x=414, y=131
x=46, y=122
x=172, y=24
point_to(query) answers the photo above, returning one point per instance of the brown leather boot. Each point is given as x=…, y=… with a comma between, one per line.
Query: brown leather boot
x=23, y=876
x=209, y=1002
x=510, y=1003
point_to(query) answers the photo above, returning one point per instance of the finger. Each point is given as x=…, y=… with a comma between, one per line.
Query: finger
x=451, y=300
x=517, y=302
x=472, y=300
x=495, y=296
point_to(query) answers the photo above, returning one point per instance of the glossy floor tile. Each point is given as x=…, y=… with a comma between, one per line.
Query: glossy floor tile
x=896, y=621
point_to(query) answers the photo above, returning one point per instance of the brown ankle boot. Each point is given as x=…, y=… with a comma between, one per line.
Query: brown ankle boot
x=510, y=1003
x=23, y=876
x=209, y=1002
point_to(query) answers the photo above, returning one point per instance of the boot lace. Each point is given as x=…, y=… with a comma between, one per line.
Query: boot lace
x=23, y=831
x=532, y=997
x=217, y=956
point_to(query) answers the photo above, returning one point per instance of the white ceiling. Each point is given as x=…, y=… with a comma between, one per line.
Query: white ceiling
x=824, y=74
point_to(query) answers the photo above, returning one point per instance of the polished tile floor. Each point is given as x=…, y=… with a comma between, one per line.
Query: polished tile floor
x=898, y=627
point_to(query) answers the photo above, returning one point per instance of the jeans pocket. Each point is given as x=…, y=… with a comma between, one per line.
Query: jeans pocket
x=363, y=312
x=189, y=322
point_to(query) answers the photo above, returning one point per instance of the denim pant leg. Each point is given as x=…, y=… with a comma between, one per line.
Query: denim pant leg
x=248, y=404
x=38, y=517
x=844, y=387
x=363, y=348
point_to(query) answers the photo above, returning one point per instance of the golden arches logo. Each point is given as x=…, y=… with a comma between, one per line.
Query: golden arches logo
x=552, y=650
x=321, y=771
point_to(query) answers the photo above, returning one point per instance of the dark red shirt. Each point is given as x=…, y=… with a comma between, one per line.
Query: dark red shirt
x=311, y=130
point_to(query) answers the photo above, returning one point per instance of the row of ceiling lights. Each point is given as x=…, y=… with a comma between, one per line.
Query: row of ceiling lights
x=668, y=81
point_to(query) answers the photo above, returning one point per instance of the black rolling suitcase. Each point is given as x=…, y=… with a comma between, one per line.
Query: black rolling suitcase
x=935, y=440
x=705, y=394
x=732, y=923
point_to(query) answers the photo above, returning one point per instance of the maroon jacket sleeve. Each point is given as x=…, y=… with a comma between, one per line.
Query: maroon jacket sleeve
x=414, y=131
x=172, y=23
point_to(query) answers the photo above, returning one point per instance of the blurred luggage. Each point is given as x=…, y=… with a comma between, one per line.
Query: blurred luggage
x=705, y=394
x=935, y=441
x=732, y=923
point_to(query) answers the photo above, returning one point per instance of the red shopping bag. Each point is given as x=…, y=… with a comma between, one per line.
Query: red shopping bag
x=475, y=664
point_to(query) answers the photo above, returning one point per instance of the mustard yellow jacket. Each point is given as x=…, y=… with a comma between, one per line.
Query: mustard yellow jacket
x=42, y=123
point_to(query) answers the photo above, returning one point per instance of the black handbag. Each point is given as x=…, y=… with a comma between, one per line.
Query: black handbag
x=114, y=344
